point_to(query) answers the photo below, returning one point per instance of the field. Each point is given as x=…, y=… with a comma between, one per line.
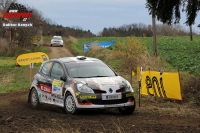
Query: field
x=180, y=52
x=15, y=78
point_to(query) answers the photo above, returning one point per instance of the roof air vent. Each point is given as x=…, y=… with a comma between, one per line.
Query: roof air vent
x=81, y=57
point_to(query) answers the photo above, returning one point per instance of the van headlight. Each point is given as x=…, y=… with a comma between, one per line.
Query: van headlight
x=85, y=89
x=128, y=87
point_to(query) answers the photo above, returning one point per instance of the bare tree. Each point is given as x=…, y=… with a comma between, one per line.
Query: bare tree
x=152, y=5
x=154, y=36
x=191, y=38
x=4, y=4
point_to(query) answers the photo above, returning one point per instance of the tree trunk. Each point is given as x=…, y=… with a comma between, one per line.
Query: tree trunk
x=191, y=33
x=154, y=36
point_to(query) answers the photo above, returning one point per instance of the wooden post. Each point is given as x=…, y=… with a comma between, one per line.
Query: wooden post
x=139, y=71
x=131, y=77
x=139, y=85
x=31, y=67
x=180, y=85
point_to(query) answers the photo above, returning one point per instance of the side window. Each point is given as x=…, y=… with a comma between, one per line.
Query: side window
x=72, y=69
x=46, y=68
x=57, y=71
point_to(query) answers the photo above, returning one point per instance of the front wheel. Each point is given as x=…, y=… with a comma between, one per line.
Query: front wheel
x=34, y=98
x=69, y=104
x=127, y=110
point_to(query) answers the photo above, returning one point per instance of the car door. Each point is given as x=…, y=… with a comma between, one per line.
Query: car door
x=57, y=85
x=45, y=82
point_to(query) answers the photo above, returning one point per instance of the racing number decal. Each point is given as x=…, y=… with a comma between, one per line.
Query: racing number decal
x=57, y=87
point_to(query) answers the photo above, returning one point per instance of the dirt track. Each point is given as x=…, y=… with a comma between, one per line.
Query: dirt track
x=17, y=116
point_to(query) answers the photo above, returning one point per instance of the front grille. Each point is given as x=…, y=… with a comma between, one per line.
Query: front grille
x=102, y=102
x=99, y=91
x=121, y=90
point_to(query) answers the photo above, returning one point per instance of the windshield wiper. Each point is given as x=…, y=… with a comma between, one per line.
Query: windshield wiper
x=80, y=77
x=97, y=76
x=91, y=76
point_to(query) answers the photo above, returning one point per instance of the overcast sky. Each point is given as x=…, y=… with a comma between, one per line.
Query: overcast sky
x=94, y=15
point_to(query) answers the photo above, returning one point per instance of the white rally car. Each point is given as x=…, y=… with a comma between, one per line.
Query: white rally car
x=57, y=41
x=76, y=83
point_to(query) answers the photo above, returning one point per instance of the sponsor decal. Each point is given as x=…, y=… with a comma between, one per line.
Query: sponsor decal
x=54, y=100
x=45, y=88
x=56, y=96
x=77, y=94
x=57, y=101
x=57, y=86
x=61, y=102
x=39, y=92
x=27, y=59
x=87, y=97
x=105, y=82
x=129, y=94
x=161, y=84
x=114, y=105
x=45, y=97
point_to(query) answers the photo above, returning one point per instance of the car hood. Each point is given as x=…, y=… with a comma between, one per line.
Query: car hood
x=103, y=83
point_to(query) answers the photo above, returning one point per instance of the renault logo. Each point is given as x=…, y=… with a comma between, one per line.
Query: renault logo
x=110, y=90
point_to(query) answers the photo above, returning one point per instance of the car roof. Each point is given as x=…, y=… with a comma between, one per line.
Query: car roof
x=57, y=37
x=77, y=59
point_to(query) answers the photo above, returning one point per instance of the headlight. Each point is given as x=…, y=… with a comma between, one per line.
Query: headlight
x=128, y=87
x=85, y=89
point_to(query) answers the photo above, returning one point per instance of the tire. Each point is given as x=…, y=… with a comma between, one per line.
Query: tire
x=127, y=110
x=61, y=45
x=51, y=45
x=34, y=99
x=69, y=104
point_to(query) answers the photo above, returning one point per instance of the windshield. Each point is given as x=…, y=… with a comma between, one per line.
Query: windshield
x=89, y=69
x=57, y=38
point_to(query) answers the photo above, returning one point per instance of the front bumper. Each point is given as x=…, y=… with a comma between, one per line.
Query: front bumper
x=96, y=101
x=58, y=44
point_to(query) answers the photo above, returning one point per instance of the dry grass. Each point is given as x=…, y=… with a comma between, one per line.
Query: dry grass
x=6, y=78
x=4, y=47
x=70, y=39
x=167, y=107
x=69, y=129
x=8, y=50
x=100, y=53
x=190, y=85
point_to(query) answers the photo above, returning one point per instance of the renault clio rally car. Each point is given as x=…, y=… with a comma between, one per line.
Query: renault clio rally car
x=57, y=41
x=76, y=83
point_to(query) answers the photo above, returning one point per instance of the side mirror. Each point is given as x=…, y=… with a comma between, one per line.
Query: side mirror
x=63, y=78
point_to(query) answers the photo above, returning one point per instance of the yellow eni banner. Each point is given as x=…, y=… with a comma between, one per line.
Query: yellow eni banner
x=27, y=59
x=159, y=84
